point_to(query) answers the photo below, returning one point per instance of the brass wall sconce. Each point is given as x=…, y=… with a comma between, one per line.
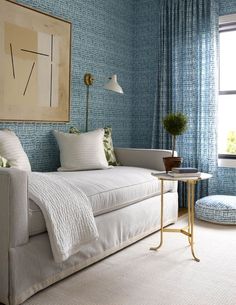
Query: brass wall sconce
x=112, y=85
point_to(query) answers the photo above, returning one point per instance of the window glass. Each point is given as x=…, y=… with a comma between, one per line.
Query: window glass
x=227, y=94
x=228, y=60
x=227, y=124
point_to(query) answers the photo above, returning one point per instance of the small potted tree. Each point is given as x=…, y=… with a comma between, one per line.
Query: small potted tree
x=175, y=124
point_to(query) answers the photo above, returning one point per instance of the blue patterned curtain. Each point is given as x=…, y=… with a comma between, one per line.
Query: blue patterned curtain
x=187, y=82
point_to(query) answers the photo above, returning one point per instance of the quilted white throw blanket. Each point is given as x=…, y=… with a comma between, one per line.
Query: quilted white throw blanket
x=67, y=212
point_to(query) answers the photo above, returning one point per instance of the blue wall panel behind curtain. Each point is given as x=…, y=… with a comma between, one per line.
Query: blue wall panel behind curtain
x=145, y=69
x=102, y=43
x=227, y=7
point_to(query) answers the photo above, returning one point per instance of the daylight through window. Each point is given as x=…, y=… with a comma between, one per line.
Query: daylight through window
x=227, y=92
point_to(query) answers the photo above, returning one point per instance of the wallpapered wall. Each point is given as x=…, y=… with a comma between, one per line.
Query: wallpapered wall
x=146, y=14
x=227, y=7
x=108, y=37
x=145, y=59
x=102, y=44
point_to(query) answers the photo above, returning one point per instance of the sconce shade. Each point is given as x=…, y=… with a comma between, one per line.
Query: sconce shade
x=113, y=85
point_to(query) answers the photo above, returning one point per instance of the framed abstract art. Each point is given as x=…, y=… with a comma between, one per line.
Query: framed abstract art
x=35, y=51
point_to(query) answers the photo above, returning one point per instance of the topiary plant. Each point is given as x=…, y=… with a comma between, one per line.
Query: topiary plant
x=175, y=124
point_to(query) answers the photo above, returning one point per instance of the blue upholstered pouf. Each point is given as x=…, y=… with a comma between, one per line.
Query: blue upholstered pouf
x=218, y=209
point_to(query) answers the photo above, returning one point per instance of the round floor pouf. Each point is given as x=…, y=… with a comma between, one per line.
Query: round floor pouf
x=217, y=208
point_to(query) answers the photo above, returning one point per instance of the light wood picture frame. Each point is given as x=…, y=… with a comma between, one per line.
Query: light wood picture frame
x=35, y=63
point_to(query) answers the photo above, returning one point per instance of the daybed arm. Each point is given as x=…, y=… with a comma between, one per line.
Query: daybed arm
x=142, y=157
x=13, y=207
x=13, y=221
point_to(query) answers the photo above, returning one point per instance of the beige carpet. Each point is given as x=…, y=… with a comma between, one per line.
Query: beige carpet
x=137, y=276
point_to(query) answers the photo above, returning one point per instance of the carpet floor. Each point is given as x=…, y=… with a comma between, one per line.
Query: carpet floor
x=137, y=276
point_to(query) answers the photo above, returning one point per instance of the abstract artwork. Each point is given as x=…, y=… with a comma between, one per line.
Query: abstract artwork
x=35, y=53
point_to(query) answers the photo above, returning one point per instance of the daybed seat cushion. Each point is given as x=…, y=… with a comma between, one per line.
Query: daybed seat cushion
x=107, y=190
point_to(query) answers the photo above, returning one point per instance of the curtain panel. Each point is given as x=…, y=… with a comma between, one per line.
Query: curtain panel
x=187, y=82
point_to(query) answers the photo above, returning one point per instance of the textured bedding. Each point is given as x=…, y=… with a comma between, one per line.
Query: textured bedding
x=67, y=213
x=107, y=190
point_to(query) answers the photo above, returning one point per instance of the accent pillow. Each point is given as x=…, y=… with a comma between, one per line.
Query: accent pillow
x=81, y=152
x=12, y=150
x=108, y=147
x=107, y=142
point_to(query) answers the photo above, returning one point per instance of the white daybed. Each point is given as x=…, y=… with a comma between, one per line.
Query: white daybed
x=126, y=205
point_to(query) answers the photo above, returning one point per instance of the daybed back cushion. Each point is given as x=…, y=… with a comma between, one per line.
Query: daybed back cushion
x=12, y=151
x=81, y=152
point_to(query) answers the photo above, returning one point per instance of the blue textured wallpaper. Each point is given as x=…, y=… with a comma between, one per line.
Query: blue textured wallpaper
x=108, y=36
x=102, y=44
x=145, y=61
x=227, y=7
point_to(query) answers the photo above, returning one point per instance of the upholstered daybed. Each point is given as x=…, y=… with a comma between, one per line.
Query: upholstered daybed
x=125, y=202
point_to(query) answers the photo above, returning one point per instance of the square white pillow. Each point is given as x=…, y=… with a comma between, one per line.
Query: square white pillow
x=12, y=150
x=81, y=152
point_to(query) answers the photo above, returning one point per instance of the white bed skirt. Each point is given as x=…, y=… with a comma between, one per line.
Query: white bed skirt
x=33, y=267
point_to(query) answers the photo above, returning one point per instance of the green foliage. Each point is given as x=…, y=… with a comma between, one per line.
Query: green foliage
x=231, y=142
x=74, y=130
x=175, y=123
x=4, y=162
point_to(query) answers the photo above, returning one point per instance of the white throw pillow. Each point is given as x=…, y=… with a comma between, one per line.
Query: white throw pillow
x=81, y=152
x=12, y=150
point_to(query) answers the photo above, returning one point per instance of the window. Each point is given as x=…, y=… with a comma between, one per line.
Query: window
x=227, y=92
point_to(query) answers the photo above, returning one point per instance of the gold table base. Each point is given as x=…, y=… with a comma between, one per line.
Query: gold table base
x=187, y=230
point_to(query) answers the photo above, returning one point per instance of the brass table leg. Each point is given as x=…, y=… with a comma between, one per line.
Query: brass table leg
x=191, y=187
x=189, y=213
x=161, y=231
x=190, y=227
